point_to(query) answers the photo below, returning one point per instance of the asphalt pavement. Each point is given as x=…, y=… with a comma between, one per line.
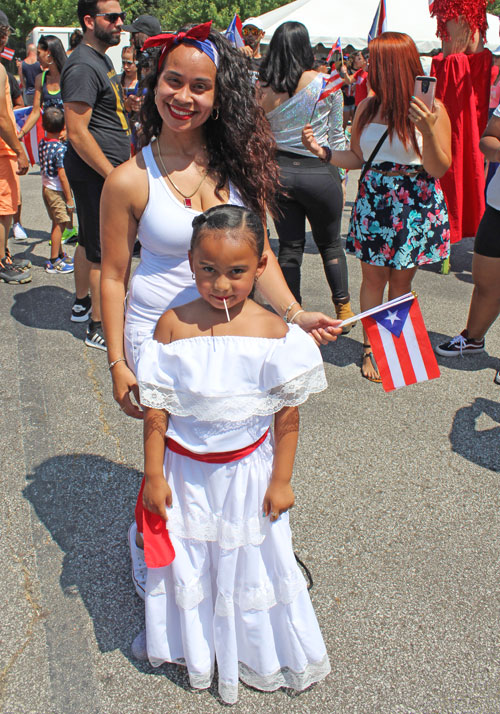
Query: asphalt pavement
x=397, y=517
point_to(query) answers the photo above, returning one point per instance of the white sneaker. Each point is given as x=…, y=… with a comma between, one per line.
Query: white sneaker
x=139, y=647
x=139, y=567
x=19, y=232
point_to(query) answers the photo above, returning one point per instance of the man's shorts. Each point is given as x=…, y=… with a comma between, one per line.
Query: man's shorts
x=487, y=241
x=87, y=199
x=10, y=194
x=55, y=203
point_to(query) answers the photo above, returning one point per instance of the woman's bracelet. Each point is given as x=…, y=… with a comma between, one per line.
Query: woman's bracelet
x=292, y=319
x=112, y=364
x=328, y=155
x=285, y=316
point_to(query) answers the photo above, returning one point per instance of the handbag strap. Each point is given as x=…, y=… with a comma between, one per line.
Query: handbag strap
x=375, y=151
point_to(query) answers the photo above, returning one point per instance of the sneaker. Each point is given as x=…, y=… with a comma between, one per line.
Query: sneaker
x=95, y=337
x=459, y=345
x=12, y=274
x=58, y=266
x=21, y=263
x=66, y=258
x=70, y=235
x=18, y=232
x=139, y=567
x=80, y=312
x=139, y=647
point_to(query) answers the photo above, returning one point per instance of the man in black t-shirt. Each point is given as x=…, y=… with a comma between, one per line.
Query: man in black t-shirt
x=99, y=140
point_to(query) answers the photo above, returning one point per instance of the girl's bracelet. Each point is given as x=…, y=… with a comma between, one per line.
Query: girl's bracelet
x=328, y=155
x=292, y=319
x=112, y=364
x=285, y=316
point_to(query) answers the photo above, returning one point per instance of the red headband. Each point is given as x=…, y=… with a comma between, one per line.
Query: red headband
x=167, y=40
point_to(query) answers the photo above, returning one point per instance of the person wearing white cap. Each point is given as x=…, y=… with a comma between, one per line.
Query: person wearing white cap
x=252, y=37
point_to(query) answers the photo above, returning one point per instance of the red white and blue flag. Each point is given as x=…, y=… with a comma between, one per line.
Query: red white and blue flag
x=431, y=6
x=33, y=137
x=400, y=342
x=379, y=24
x=7, y=53
x=234, y=32
x=337, y=47
x=331, y=84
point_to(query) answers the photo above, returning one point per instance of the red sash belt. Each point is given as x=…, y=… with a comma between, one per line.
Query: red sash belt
x=158, y=548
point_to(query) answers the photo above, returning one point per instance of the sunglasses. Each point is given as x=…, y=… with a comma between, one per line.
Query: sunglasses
x=112, y=17
x=251, y=31
x=128, y=62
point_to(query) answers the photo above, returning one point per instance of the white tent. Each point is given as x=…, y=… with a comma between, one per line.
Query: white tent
x=328, y=19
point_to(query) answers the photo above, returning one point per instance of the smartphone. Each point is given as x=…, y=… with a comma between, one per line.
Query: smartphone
x=425, y=89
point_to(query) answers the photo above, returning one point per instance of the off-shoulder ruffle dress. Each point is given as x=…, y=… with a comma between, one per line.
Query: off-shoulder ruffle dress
x=233, y=593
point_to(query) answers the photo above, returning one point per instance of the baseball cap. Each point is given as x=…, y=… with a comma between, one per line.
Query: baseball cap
x=4, y=21
x=254, y=22
x=144, y=23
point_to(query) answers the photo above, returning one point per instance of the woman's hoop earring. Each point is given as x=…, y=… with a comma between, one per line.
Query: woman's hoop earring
x=192, y=275
x=215, y=113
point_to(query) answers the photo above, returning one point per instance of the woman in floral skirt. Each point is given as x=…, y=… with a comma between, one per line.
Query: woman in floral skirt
x=399, y=220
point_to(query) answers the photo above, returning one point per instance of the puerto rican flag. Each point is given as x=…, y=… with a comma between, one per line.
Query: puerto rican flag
x=337, y=47
x=431, y=6
x=234, y=32
x=32, y=139
x=379, y=24
x=331, y=84
x=7, y=53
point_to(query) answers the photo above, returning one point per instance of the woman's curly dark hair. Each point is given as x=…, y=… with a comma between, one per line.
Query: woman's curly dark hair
x=240, y=145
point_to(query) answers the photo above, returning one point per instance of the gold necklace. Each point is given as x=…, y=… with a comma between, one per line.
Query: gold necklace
x=187, y=199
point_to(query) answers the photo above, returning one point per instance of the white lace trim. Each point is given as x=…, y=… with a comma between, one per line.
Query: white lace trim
x=234, y=407
x=212, y=528
x=284, y=591
x=285, y=677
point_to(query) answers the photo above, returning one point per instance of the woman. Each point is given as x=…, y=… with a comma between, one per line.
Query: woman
x=399, y=220
x=485, y=302
x=128, y=79
x=51, y=55
x=292, y=95
x=354, y=75
x=208, y=143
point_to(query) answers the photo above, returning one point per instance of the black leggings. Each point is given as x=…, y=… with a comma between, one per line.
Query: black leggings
x=313, y=191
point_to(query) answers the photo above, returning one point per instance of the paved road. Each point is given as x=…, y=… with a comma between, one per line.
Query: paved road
x=397, y=517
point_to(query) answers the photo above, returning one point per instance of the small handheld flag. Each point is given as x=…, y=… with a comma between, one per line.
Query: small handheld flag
x=431, y=6
x=33, y=137
x=400, y=342
x=337, y=47
x=234, y=32
x=7, y=53
x=379, y=24
x=331, y=84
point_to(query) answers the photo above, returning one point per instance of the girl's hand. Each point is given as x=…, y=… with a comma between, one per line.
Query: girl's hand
x=310, y=142
x=157, y=495
x=421, y=115
x=124, y=382
x=323, y=329
x=278, y=499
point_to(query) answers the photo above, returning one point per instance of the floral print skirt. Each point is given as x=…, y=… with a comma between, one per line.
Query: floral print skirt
x=399, y=221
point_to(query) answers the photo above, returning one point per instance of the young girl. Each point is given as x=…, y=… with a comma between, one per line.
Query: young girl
x=215, y=372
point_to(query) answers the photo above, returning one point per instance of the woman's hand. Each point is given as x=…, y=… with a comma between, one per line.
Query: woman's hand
x=157, y=495
x=323, y=329
x=422, y=117
x=278, y=499
x=310, y=142
x=124, y=382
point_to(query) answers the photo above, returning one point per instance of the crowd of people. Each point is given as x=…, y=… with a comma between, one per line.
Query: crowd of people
x=189, y=152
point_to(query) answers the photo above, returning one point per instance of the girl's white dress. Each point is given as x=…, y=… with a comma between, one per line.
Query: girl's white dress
x=234, y=592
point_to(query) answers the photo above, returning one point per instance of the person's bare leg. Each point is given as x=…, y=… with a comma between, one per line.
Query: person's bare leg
x=400, y=282
x=371, y=294
x=485, y=302
x=5, y=222
x=95, y=290
x=55, y=238
x=82, y=273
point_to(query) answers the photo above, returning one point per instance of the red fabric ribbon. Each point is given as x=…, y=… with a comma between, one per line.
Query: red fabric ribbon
x=167, y=40
x=220, y=457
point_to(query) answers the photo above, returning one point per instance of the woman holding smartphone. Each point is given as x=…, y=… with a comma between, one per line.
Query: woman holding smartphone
x=399, y=220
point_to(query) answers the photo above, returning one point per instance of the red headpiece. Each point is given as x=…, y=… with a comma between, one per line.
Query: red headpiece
x=196, y=36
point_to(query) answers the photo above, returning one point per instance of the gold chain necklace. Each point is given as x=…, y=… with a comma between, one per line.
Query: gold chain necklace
x=187, y=199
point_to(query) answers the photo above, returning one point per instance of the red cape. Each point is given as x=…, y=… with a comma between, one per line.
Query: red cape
x=463, y=85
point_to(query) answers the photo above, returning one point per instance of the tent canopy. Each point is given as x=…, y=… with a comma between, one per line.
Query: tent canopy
x=328, y=19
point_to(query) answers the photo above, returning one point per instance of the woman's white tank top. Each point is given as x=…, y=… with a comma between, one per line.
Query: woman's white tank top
x=394, y=151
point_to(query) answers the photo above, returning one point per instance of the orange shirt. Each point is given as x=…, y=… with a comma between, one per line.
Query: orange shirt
x=5, y=149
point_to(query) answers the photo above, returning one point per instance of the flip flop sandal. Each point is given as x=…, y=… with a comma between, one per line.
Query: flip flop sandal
x=378, y=379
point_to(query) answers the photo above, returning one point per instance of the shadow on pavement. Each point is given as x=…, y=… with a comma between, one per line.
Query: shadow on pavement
x=47, y=307
x=86, y=502
x=479, y=445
